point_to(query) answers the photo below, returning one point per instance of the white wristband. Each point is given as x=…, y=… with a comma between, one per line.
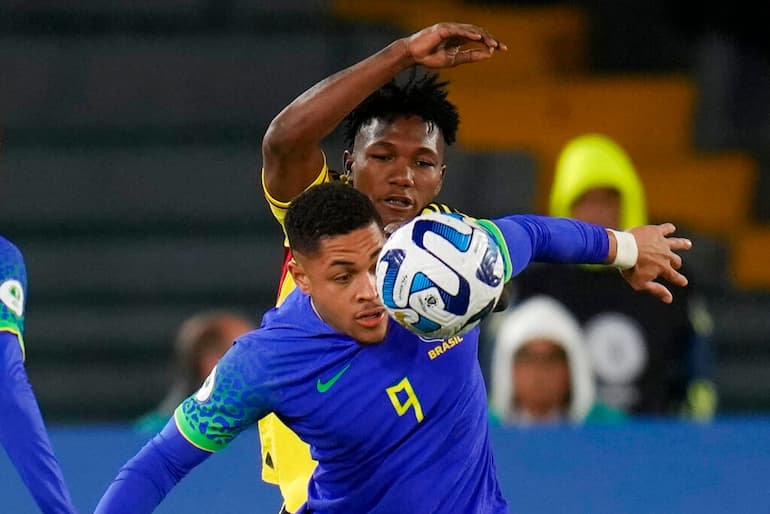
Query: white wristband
x=627, y=251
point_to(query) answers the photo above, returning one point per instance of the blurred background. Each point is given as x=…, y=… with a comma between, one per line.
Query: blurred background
x=131, y=154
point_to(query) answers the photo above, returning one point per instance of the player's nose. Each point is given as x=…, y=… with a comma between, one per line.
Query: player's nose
x=368, y=289
x=401, y=174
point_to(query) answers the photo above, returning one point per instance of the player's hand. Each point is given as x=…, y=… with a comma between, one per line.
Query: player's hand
x=657, y=259
x=445, y=45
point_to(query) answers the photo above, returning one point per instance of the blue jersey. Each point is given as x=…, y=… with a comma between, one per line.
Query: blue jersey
x=13, y=286
x=398, y=426
x=414, y=439
x=22, y=432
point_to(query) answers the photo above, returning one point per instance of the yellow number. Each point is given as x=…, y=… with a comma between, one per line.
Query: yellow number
x=411, y=399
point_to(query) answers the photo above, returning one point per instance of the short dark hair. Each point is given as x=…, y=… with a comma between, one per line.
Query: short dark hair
x=420, y=96
x=324, y=211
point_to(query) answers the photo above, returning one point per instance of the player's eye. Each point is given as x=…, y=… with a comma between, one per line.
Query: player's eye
x=425, y=164
x=342, y=278
x=381, y=157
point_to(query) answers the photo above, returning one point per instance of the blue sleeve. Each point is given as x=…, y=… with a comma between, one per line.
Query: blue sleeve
x=146, y=479
x=233, y=398
x=23, y=433
x=528, y=238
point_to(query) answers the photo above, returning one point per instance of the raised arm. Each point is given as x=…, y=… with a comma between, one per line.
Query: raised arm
x=644, y=254
x=291, y=148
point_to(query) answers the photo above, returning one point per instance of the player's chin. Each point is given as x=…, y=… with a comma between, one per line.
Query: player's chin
x=397, y=217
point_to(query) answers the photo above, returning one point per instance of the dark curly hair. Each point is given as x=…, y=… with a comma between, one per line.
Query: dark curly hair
x=423, y=96
x=327, y=210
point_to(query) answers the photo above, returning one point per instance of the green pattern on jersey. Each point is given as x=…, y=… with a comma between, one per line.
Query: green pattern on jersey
x=211, y=420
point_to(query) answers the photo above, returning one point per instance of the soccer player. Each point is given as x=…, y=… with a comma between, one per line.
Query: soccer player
x=22, y=431
x=392, y=429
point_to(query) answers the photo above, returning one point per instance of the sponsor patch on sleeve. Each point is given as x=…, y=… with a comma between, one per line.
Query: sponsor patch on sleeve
x=12, y=296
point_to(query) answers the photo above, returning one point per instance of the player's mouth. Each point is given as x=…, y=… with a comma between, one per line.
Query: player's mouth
x=371, y=318
x=399, y=202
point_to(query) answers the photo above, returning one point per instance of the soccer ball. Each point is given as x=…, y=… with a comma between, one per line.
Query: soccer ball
x=439, y=275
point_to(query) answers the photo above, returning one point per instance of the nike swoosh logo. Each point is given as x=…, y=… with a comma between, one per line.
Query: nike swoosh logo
x=325, y=386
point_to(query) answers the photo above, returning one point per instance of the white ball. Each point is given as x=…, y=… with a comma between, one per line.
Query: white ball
x=440, y=275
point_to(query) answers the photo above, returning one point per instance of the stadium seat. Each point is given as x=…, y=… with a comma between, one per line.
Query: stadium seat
x=750, y=255
x=740, y=339
x=542, y=41
x=649, y=116
x=154, y=9
x=143, y=267
x=709, y=193
x=198, y=83
x=141, y=186
x=502, y=182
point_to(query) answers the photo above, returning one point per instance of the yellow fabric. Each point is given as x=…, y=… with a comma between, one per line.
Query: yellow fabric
x=286, y=459
x=278, y=208
x=591, y=161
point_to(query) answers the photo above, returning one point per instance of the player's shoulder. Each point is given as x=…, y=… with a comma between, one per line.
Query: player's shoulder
x=440, y=208
x=12, y=270
x=9, y=252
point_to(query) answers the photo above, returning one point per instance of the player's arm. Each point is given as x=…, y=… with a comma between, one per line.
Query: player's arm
x=23, y=433
x=203, y=424
x=291, y=147
x=643, y=253
x=146, y=479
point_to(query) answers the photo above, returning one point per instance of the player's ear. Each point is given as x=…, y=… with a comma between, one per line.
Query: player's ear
x=299, y=275
x=347, y=165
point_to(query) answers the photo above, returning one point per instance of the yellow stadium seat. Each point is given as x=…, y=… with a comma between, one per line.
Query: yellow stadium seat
x=541, y=42
x=649, y=116
x=750, y=255
x=708, y=193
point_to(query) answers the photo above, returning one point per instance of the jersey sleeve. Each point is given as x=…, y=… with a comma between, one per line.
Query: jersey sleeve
x=234, y=396
x=13, y=287
x=24, y=436
x=22, y=430
x=279, y=208
x=526, y=238
x=145, y=480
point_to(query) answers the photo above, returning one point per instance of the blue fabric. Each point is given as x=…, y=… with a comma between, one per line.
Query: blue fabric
x=546, y=239
x=13, y=287
x=399, y=426
x=22, y=431
x=146, y=479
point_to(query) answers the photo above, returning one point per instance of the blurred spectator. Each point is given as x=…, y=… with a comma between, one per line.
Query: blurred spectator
x=648, y=357
x=541, y=372
x=200, y=342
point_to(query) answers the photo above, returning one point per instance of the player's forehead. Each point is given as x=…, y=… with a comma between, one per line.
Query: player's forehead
x=409, y=131
x=358, y=247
